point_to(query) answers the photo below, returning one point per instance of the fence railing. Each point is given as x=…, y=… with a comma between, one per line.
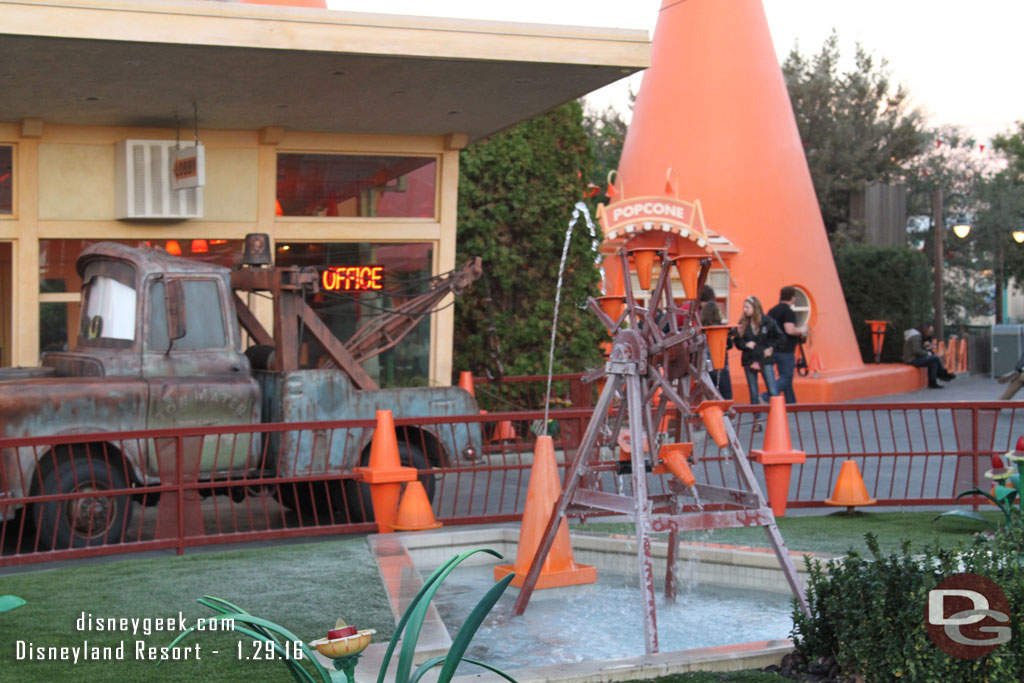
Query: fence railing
x=98, y=494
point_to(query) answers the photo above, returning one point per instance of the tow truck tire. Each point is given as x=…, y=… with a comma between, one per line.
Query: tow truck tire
x=82, y=522
x=358, y=493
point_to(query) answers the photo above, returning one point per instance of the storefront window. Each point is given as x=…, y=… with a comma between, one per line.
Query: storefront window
x=403, y=271
x=356, y=186
x=6, y=180
x=60, y=287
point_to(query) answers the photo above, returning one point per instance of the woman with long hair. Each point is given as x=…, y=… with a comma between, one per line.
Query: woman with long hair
x=757, y=337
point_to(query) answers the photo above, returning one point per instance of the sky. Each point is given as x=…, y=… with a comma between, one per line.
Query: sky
x=959, y=60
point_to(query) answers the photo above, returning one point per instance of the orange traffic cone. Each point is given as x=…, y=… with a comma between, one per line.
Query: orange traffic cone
x=961, y=362
x=689, y=271
x=712, y=414
x=504, y=431
x=777, y=455
x=414, y=513
x=717, y=336
x=384, y=472
x=466, y=382
x=850, y=489
x=613, y=305
x=541, y=496
x=673, y=459
x=643, y=263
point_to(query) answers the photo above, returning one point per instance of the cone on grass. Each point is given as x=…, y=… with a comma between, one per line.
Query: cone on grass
x=384, y=472
x=712, y=414
x=777, y=455
x=560, y=569
x=850, y=489
x=414, y=512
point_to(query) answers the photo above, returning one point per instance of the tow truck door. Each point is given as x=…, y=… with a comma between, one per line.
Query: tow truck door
x=200, y=379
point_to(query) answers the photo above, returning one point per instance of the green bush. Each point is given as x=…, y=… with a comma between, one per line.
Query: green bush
x=885, y=283
x=870, y=615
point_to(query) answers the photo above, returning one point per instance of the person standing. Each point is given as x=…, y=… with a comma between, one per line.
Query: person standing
x=757, y=337
x=792, y=334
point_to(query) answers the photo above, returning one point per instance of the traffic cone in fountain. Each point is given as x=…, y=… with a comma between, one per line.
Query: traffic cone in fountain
x=560, y=569
x=850, y=489
x=777, y=455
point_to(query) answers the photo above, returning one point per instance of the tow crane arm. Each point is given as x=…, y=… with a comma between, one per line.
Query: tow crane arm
x=289, y=287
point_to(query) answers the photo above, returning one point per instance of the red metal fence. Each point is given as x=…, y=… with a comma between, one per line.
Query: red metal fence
x=84, y=498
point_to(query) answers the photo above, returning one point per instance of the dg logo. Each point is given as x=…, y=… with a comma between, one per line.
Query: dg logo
x=968, y=616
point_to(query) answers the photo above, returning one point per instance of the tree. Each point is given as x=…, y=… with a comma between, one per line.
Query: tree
x=1002, y=213
x=516, y=195
x=607, y=132
x=855, y=127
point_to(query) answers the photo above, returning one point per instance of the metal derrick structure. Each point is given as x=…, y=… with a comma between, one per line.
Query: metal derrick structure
x=658, y=357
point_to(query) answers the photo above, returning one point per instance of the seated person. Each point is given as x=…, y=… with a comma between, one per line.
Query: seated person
x=917, y=351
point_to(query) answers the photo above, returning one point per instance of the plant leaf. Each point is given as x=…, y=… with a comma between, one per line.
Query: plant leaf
x=969, y=514
x=414, y=615
x=976, y=492
x=470, y=626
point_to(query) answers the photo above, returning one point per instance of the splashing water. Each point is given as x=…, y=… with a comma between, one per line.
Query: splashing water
x=595, y=246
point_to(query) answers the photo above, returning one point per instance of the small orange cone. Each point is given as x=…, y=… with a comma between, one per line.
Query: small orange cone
x=466, y=382
x=712, y=414
x=717, y=336
x=612, y=305
x=961, y=363
x=777, y=456
x=504, y=431
x=414, y=513
x=850, y=489
x=643, y=263
x=673, y=459
x=689, y=271
x=384, y=472
x=541, y=496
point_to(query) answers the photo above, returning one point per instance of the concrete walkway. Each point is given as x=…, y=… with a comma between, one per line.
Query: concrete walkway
x=963, y=388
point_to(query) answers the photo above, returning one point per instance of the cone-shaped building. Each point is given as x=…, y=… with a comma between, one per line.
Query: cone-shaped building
x=714, y=109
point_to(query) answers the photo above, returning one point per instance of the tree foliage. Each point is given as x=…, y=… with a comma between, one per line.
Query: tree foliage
x=1002, y=198
x=855, y=127
x=517, y=190
x=884, y=283
x=607, y=132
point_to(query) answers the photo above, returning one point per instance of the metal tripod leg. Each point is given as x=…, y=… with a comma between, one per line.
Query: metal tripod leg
x=572, y=478
x=642, y=511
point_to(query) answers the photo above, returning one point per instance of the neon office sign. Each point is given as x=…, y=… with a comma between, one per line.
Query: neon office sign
x=352, y=278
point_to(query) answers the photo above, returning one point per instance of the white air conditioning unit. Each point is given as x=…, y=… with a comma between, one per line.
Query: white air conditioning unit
x=143, y=183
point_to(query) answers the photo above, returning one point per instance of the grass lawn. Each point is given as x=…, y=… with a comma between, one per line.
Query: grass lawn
x=305, y=588
x=837, y=533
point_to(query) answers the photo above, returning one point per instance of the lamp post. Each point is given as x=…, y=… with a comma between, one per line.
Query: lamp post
x=937, y=263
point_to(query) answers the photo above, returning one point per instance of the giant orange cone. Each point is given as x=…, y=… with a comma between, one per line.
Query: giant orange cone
x=541, y=496
x=713, y=106
x=414, y=512
x=384, y=472
x=850, y=489
x=777, y=456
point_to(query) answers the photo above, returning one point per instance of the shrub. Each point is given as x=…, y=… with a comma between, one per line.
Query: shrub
x=870, y=614
x=885, y=283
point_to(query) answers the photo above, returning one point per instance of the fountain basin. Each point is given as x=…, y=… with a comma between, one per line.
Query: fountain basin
x=402, y=558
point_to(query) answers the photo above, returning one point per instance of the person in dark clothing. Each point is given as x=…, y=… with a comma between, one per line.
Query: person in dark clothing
x=710, y=315
x=757, y=336
x=785, y=357
x=918, y=352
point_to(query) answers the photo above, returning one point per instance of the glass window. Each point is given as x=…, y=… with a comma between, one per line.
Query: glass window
x=204, y=318
x=356, y=186
x=109, y=301
x=405, y=272
x=6, y=180
x=801, y=306
x=60, y=286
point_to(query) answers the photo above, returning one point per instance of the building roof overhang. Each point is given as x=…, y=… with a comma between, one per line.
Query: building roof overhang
x=142, y=62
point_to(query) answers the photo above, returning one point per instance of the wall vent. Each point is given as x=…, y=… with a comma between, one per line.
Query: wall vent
x=143, y=183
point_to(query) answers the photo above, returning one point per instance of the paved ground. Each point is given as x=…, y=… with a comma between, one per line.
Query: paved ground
x=963, y=388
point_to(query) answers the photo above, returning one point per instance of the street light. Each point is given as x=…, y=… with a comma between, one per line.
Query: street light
x=1018, y=236
x=963, y=229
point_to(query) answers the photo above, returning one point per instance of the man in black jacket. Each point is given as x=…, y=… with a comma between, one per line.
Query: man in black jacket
x=785, y=356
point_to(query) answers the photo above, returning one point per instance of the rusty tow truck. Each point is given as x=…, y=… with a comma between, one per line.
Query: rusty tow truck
x=160, y=346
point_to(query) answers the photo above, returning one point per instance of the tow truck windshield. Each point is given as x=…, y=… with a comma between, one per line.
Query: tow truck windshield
x=108, y=305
